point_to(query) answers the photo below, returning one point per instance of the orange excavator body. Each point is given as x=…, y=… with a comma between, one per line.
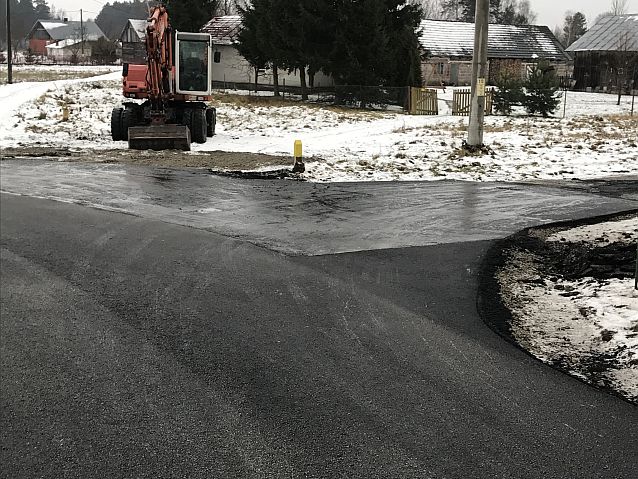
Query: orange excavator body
x=174, y=111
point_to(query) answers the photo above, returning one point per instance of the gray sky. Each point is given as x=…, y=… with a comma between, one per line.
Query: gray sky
x=550, y=12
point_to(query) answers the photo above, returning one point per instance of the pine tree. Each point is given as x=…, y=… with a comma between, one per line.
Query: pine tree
x=509, y=88
x=190, y=15
x=574, y=27
x=541, y=90
x=401, y=23
x=113, y=17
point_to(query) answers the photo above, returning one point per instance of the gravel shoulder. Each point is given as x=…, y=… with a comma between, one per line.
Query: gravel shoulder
x=223, y=160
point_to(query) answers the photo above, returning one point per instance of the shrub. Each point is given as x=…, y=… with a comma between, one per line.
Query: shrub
x=541, y=89
x=509, y=89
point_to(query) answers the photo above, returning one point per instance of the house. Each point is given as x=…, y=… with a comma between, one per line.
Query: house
x=52, y=32
x=449, y=49
x=230, y=69
x=133, y=39
x=606, y=57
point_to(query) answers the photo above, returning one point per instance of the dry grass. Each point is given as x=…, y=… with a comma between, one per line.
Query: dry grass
x=259, y=101
x=35, y=74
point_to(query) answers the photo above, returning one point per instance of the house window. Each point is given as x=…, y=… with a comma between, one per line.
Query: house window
x=217, y=57
x=440, y=68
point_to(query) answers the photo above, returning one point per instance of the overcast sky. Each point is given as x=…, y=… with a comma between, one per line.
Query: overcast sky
x=550, y=12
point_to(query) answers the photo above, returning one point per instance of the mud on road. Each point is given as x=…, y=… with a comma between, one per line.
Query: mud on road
x=215, y=160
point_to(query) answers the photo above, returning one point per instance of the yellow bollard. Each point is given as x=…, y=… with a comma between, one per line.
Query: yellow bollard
x=298, y=152
x=65, y=113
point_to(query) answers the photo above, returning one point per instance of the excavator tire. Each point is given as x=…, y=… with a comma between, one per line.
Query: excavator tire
x=199, y=130
x=116, y=124
x=128, y=120
x=211, y=121
x=187, y=119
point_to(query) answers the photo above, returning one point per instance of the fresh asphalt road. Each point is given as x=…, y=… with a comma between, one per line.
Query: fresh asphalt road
x=209, y=333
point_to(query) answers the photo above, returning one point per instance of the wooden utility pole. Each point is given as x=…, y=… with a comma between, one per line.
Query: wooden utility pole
x=479, y=73
x=9, y=51
x=81, y=32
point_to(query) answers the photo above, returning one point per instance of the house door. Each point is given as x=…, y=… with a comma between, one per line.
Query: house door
x=454, y=73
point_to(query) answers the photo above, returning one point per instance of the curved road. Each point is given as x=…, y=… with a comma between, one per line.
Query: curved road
x=337, y=337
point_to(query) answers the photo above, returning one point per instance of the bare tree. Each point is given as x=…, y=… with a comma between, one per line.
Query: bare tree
x=431, y=8
x=624, y=64
x=618, y=7
x=525, y=10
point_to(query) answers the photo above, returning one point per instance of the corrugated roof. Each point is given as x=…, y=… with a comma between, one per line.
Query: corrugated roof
x=224, y=30
x=611, y=33
x=456, y=39
x=63, y=30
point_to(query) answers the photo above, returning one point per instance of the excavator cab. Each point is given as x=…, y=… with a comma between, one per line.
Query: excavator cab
x=193, y=60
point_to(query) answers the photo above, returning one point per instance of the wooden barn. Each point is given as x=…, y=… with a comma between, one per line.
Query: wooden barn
x=133, y=39
x=606, y=57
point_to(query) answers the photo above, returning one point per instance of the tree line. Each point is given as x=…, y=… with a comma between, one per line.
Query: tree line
x=357, y=42
x=507, y=12
x=24, y=14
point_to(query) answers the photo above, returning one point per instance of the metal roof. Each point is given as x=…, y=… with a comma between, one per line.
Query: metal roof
x=224, y=30
x=62, y=30
x=456, y=40
x=612, y=33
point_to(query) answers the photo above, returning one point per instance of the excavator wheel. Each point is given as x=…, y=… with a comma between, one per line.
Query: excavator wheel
x=128, y=120
x=199, y=130
x=187, y=120
x=211, y=121
x=117, y=132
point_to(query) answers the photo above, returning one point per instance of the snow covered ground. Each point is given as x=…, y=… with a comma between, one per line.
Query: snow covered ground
x=585, y=325
x=596, y=138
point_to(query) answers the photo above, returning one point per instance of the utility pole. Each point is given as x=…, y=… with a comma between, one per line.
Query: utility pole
x=479, y=72
x=81, y=32
x=9, y=52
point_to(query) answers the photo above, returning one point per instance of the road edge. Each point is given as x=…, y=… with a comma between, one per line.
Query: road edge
x=489, y=304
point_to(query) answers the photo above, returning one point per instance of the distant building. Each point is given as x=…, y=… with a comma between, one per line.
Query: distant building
x=606, y=57
x=133, y=39
x=64, y=35
x=450, y=46
x=231, y=69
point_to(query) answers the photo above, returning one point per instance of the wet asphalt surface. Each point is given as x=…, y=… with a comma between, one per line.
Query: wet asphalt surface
x=233, y=328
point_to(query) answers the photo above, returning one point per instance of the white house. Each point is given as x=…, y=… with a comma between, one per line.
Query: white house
x=230, y=68
x=64, y=50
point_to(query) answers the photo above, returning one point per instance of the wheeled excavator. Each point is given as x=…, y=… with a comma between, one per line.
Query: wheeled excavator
x=175, y=84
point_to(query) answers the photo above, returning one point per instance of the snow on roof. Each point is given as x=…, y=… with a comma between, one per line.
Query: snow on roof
x=137, y=25
x=63, y=30
x=610, y=33
x=456, y=39
x=63, y=44
x=52, y=25
x=224, y=30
